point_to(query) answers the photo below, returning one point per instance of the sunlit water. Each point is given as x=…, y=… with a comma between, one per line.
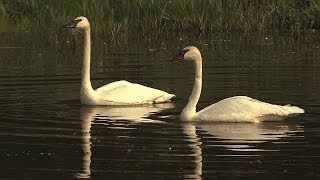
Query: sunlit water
x=46, y=133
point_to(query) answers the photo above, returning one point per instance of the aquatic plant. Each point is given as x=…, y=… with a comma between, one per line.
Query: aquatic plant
x=156, y=17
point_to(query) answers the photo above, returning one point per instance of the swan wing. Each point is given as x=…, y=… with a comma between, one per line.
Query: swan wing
x=127, y=93
x=112, y=85
x=246, y=109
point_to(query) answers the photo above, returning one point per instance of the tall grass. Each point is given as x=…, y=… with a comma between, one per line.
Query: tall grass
x=156, y=17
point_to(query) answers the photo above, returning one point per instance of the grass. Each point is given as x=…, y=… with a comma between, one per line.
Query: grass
x=156, y=17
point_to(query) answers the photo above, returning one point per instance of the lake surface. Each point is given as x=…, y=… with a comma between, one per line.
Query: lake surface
x=46, y=133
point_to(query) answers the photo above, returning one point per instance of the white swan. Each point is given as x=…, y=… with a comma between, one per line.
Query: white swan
x=115, y=93
x=233, y=109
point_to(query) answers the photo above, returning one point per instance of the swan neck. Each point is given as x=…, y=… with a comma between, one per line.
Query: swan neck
x=190, y=110
x=198, y=68
x=86, y=82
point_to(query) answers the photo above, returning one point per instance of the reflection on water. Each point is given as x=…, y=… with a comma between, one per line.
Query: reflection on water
x=86, y=115
x=195, y=145
x=103, y=115
x=134, y=114
x=243, y=136
x=240, y=137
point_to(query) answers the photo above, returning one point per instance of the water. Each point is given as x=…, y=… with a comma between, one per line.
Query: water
x=45, y=132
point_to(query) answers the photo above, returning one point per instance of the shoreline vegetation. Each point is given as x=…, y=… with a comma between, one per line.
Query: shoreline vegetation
x=157, y=17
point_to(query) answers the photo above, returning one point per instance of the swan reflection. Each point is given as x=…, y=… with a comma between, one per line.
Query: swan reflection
x=195, y=145
x=233, y=136
x=243, y=136
x=97, y=114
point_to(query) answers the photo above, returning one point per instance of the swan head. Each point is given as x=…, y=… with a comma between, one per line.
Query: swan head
x=81, y=23
x=189, y=53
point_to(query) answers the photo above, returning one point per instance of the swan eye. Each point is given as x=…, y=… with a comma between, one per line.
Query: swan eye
x=185, y=50
x=180, y=55
x=76, y=21
x=73, y=23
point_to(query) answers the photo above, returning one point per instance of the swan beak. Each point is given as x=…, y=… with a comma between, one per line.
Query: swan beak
x=72, y=24
x=179, y=56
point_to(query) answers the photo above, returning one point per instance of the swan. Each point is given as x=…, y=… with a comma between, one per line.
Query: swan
x=233, y=109
x=115, y=93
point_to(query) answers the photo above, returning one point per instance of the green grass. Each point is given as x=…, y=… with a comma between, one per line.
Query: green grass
x=156, y=17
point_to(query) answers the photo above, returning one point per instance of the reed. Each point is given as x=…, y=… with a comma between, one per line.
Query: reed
x=156, y=17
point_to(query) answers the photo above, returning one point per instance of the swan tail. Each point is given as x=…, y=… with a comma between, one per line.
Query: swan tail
x=281, y=113
x=294, y=109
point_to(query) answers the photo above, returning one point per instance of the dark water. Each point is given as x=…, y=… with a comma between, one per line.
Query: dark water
x=46, y=133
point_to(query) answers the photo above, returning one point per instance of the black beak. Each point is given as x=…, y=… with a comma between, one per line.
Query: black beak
x=72, y=24
x=179, y=55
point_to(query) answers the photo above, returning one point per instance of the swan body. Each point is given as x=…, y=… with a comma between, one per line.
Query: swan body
x=125, y=93
x=116, y=93
x=233, y=109
x=245, y=109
